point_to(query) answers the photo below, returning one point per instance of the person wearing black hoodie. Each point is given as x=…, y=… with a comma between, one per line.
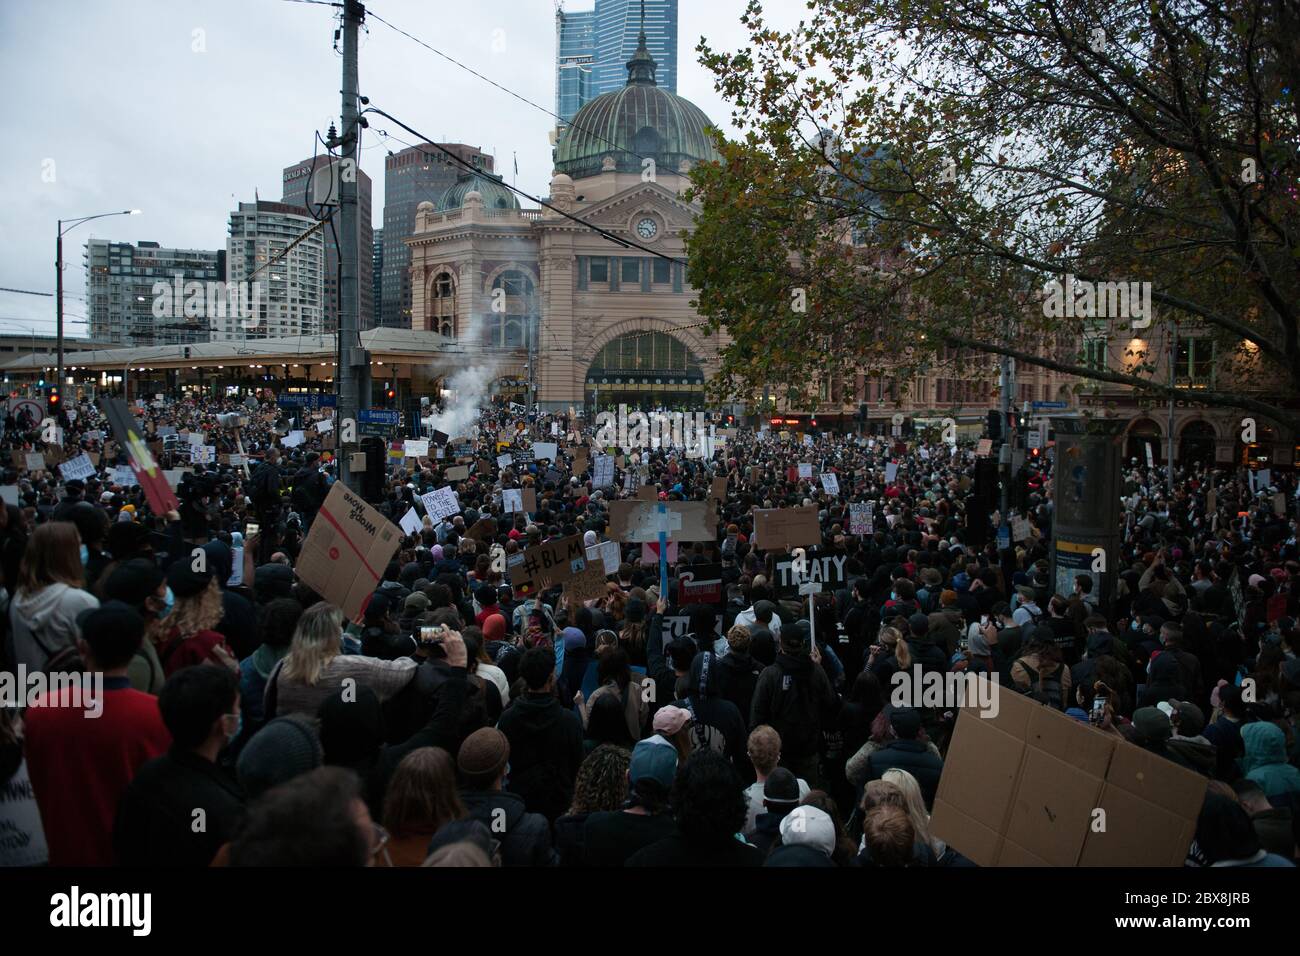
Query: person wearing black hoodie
x=795, y=697
x=738, y=672
x=716, y=723
x=484, y=762
x=545, y=738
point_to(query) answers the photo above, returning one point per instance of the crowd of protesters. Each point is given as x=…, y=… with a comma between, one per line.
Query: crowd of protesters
x=245, y=722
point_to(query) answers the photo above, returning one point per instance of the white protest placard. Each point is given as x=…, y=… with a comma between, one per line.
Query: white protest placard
x=1151, y=458
x=196, y=438
x=1020, y=529
x=124, y=476
x=175, y=476
x=925, y=452
x=830, y=483
x=324, y=425
x=203, y=454
x=607, y=553
x=805, y=470
x=238, y=459
x=79, y=467
x=293, y=439
x=860, y=517
x=417, y=448
x=602, y=475
x=440, y=503
x=9, y=494
x=555, y=428
x=544, y=449
x=891, y=471
x=505, y=461
x=984, y=447
x=512, y=500
x=411, y=523
x=808, y=440
x=72, y=414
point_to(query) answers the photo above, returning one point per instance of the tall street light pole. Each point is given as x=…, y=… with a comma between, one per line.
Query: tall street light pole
x=58, y=277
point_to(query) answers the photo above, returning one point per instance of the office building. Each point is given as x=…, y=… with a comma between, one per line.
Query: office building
x=288, y=298
x=121, y=295
x=415, y=175
x=376, y=279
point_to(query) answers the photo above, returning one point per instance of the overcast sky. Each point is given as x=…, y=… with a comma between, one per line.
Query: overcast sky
x=182, y=108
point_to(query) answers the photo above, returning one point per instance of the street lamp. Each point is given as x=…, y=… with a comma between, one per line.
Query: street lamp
x=58, y=275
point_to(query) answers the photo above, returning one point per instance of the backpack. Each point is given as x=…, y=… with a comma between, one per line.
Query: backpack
x=1044, y=690
x=793, y=708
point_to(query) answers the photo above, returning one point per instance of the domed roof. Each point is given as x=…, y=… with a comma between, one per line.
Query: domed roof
x=640, y=120
x=491, y=189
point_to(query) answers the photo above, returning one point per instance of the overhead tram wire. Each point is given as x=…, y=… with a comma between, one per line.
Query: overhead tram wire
x=504, y=89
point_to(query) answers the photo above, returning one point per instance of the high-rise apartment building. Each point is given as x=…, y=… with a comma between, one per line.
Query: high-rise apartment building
x=296, y=179
x=280, y=248
x=122, y=301
x=376, y=278
x=592, y=48
x=414, y=175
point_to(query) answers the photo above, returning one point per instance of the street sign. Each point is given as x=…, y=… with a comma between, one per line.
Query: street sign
x=378, y=416
x=313, y=401
x=1041, y=405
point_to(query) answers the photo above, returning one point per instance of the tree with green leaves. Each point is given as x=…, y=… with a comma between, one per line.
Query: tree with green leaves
x=910, y=177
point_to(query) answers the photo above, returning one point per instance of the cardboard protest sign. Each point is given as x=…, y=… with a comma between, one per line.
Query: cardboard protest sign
x=1020, y=529
x=647, y=493
x=785, y=528
x=530, y=500
x=79, y=467
x=639, y=521
x=439, y=438
x=824, y=569
x=34, y=461
x=549, y=564
x=1021, y=786
x=679, y=625
x=984, y=447
x=440, y=503
x=607, y=554
x=580, y=462
x=482, y=529
x=718, y=488
x=457, y=473
x=129, y=436
x=700, y=584
x=545, y=449
x=602, y=476
x=53, y=455
x=587, y=586
x=484, y=467
x=830, y=483
x=347, y=550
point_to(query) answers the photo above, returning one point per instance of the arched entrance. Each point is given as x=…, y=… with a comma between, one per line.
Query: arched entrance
x=1196, y=444
x=645, y=371
x=1141, y=432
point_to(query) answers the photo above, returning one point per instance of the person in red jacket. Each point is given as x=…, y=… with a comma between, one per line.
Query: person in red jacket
x=188, y=635
x=80, y=763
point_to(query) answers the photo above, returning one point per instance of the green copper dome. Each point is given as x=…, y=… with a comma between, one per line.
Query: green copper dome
x=491, y=188
x=640, y=120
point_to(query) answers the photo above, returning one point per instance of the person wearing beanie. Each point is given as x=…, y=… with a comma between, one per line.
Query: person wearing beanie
x=482, y=763
x=611, y=836
x=807, y=838
x=795, y=697
x=80, y=767
x=764, y=751
x=283, y=749
x=188, y=635
x=156, y=816
x=545, y=737
x=907, y=750
x=738, y=674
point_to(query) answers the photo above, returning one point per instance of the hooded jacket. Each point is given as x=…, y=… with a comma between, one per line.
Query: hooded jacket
x=1197, y=752
x=715, y=721
x=796, y=699
x=1265, y=759
x=525, y=837
x=545, y=752
x=44, y=622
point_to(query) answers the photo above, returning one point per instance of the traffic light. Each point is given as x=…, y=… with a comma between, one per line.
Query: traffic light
x=53, y=399
x=40, y=383
x=813, y=423
x=995, y=425
x=390, y=395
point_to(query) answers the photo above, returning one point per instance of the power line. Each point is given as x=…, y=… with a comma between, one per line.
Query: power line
x=519, y=96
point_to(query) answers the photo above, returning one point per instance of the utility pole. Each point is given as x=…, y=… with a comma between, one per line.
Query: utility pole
x=353, y=378
x=1007, y=385
x=1173, y=360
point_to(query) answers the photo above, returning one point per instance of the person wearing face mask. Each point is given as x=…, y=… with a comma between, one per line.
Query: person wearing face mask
x=156, y=823
x=142, y=584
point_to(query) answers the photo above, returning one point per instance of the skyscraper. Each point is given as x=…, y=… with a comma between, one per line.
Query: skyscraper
x=295, y=185
x=120, y=296
x=289, y=294
x=376, y=279
x=416, y=174
x=592, y=48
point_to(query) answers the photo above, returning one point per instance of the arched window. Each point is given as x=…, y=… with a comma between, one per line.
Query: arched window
x=512, y=307
x=441, y=309
x=646, y=352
